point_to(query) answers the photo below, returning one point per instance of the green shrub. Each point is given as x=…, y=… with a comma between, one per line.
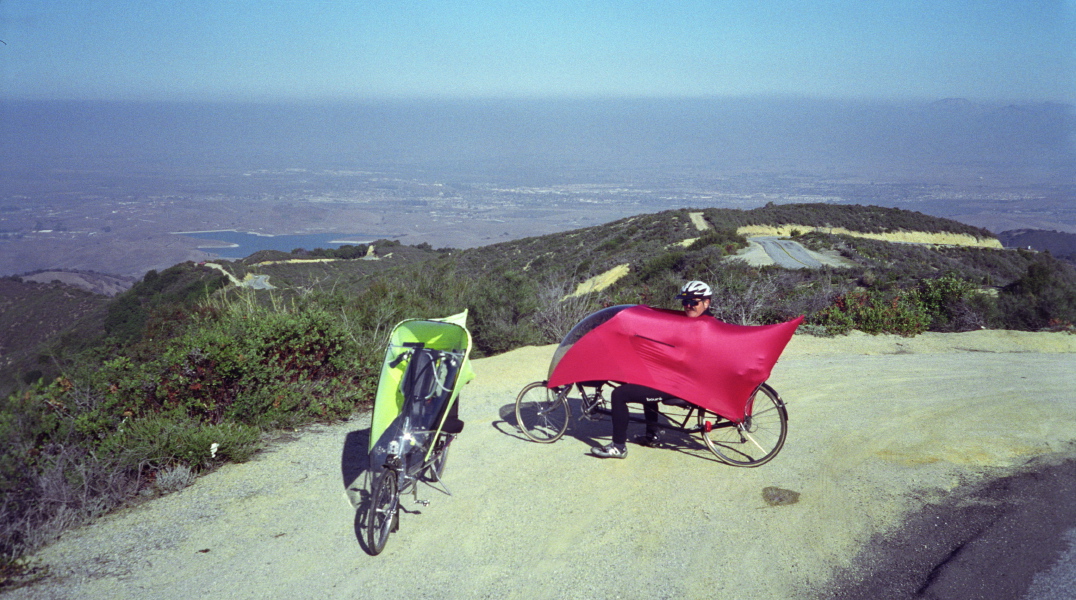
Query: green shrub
x=260, y=368
x=873, y=312
x=1044, y=297
x=160, y=441
x=502, y=310
x=724, y=239
x=945, y=301
x=50, y=478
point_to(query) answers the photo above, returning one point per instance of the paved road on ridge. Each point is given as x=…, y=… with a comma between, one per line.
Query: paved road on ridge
x=788, y=254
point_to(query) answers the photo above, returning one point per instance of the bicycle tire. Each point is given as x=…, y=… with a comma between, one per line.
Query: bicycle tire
x=542, y=413
x=757, y=439
x=382, y=518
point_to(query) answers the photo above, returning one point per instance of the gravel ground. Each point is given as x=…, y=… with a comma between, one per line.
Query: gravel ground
x=883, y=430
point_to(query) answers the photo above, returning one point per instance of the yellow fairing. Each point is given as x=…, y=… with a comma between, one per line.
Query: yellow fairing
x=448, y=334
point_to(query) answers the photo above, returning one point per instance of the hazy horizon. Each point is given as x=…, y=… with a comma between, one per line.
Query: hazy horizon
x=545, y=141
x=100, y=185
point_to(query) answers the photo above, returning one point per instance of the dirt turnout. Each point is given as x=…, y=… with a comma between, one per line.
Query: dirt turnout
x=880, y=428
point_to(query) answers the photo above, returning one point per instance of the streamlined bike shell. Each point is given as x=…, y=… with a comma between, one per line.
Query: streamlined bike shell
x=448, y=334
x=703, y=360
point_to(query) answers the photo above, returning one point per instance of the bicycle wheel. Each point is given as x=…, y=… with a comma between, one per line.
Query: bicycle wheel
x=757, y=439
x=542, y=413
x=382, y=518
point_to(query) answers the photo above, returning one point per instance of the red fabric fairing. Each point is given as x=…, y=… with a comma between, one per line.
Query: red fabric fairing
x=705, y=361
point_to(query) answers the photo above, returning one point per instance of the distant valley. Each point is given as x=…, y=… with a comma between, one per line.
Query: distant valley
x=102, y=187
x=128, y=236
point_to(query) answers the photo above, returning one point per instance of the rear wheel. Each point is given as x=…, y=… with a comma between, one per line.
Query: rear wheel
x=542, y=413
x=383, y=515
x=757, y=439
x=440, y=457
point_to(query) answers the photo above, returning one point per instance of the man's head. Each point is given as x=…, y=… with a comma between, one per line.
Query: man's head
x=695, y=297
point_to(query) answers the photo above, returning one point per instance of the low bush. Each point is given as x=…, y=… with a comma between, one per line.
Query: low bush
x=559, y=309
x=197, y=396
x=1044, y=297
x=874, y=312
x=947, y=302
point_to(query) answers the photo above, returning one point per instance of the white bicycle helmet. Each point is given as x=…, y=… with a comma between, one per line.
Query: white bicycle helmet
x=694, y=289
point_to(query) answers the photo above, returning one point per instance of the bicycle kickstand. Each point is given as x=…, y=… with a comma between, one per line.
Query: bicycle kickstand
x=414, y=494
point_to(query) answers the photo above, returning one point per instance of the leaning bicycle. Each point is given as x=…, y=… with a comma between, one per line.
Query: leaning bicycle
x=719, y=370
x=415, y=418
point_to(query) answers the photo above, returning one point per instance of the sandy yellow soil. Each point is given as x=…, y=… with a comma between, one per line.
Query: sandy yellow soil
x=699, y=221
x=880, y=426
x=601, y=281
x=912, y=237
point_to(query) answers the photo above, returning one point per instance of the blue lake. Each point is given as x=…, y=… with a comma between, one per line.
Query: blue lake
x=243, y=244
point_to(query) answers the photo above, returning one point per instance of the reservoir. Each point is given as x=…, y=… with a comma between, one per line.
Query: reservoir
x=234, y=245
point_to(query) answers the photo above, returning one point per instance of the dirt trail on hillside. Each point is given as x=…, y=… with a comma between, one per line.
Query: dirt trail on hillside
x=880, y=426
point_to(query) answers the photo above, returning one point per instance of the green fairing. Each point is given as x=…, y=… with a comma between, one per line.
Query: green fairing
x=449, y=334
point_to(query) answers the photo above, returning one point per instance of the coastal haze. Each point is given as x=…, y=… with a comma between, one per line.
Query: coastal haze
x=106, y=186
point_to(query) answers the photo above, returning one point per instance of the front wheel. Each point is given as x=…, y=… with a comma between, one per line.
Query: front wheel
x=542, y=413
x=757, y=439
x=383, y=516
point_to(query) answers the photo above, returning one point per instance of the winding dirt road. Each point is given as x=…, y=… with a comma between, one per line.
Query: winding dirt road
x=879, y=428
x=773, y=250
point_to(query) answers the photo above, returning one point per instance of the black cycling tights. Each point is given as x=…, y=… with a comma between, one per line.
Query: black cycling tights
x=629, y=392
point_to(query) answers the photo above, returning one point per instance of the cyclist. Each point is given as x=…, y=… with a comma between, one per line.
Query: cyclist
x=695, y=296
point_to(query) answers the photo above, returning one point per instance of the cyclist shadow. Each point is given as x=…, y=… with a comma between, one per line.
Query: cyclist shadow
x=597, y=432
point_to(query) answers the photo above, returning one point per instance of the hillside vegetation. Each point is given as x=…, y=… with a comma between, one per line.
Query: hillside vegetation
x=185, y=371
x=33, y=312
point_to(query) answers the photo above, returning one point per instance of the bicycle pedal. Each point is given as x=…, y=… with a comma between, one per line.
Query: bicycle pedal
x=422, y=502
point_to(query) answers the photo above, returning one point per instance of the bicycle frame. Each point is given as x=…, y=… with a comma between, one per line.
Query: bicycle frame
x=595, y=404
x=408, y=473
x=543, y=413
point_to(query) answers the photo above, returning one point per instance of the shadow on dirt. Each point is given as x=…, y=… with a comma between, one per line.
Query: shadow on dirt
x=597, y=431
x=357, y=477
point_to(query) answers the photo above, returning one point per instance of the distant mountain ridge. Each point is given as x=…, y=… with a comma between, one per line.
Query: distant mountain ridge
x=91, y=281
x=1058, y=243
x=655, y=251
x=32, y=313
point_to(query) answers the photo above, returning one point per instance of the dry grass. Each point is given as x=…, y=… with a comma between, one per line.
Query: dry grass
x=908, y=237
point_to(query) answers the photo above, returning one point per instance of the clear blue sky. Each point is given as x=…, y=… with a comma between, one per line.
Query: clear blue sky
x=264, y=50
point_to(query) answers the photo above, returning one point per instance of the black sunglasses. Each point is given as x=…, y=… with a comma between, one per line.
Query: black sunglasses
x=692, y=302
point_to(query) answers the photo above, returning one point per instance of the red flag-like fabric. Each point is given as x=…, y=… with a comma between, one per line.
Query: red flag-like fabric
x=703, y=360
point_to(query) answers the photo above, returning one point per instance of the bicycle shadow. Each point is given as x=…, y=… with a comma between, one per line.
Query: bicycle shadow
x=584, y=430
x=358, y=476
x=597, y=432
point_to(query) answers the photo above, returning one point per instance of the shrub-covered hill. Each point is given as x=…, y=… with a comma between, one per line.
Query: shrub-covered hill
x=32, y=313
x=502, y=283
x=188, y=369
x=1060, y=244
